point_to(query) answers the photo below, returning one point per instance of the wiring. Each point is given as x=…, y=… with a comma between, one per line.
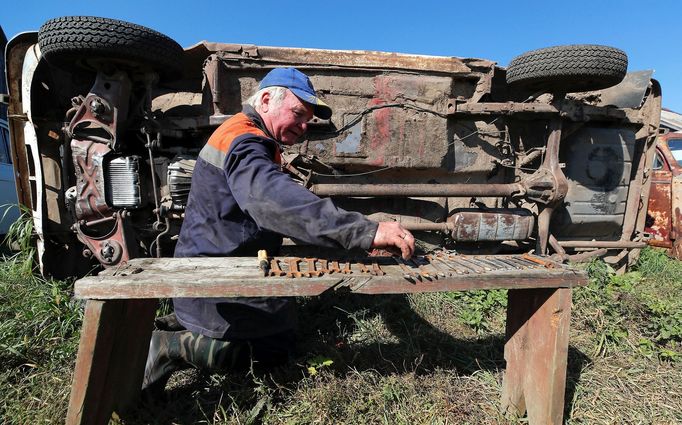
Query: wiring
x=359, y=117
x=515, y=167
x=352, y=175
x=529, y=99
x=459, y=139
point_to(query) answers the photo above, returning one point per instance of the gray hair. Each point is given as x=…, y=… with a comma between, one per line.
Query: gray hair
x=276, y=96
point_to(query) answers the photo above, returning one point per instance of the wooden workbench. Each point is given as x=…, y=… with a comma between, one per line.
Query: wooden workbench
x=121, y=303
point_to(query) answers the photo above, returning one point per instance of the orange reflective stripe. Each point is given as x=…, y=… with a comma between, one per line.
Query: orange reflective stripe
x=238, y=125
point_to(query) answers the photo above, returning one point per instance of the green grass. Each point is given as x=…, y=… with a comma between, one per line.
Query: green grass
x=39, y=327
x=427, y=358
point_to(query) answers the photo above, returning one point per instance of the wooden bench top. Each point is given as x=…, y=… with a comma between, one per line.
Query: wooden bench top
x=121, y=305
x=241, y=276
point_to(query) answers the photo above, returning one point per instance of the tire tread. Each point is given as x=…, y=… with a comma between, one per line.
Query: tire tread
x=66, y=38
x=578, y=67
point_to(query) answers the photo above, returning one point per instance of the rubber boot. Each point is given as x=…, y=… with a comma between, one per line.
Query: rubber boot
x=170, y=351
x=168, y=322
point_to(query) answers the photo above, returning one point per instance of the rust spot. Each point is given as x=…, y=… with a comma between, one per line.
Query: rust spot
x=659, y=212
x=380, y=120
x=556, y=318
x=469, y=226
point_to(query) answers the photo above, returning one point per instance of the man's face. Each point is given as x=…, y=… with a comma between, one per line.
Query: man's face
x=287, y=120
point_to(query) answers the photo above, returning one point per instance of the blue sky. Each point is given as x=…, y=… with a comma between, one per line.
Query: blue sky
x=649, y=32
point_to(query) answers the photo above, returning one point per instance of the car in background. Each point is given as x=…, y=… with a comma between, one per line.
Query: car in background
x=548, y=154
x=664, y=217
x=9, y=209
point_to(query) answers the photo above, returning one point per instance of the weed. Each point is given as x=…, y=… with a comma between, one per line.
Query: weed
x=654, y=263
x=478, y=306
x=39, y=326
x=639, y=311
x=20, y=237
x=318, y=362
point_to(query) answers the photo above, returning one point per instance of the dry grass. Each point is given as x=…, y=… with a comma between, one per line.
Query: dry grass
x=627, y=391
x=429, y=358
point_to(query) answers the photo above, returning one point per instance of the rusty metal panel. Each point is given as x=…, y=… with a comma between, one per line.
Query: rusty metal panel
x=629, y=93
x=659, y=209
x=598, y=168
x=676, y=216
x=664, y=212
x=381, y=117
x=279, y=56
x=387, y=119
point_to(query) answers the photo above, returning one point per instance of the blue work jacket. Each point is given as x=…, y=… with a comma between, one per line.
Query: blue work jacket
x=240, y=202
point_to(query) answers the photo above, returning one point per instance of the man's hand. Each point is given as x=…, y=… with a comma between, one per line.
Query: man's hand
x=394, y=238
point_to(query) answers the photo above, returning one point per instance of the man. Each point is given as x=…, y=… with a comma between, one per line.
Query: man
x=241, y=202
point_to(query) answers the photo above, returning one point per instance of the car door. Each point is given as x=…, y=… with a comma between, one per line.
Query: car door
x=659, y=222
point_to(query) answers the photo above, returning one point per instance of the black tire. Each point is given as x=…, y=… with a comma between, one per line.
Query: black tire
x=88, y=40
x=568, y=69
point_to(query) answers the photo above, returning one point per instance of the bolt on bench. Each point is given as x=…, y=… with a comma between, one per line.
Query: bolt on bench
x=121, y=303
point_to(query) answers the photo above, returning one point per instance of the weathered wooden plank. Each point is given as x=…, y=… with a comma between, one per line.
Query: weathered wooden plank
x=248, y=266
x=240, y=276
x=111, y=359
x=182, y=286
x=233, y=266
x=470, y=283
x=172, y=284
x=88, y=403
x=536, y=352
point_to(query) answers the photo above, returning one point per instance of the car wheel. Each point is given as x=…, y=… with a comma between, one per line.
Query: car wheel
x=568, y=69
x=88, y=41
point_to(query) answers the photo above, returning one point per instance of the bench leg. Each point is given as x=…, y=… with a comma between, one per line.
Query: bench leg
x=111, y=357
x=536, y=351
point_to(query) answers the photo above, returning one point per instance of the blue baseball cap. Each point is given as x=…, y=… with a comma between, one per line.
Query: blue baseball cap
x=300, y=85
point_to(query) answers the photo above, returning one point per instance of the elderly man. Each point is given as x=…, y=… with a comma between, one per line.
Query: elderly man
x=241, y=202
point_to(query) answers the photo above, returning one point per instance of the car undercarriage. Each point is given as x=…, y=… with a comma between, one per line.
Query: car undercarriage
x=550, y=155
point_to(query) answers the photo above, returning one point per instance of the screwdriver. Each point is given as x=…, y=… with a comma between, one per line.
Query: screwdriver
x=263, y=263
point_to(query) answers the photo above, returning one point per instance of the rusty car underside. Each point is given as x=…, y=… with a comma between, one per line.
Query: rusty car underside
x=447, y=146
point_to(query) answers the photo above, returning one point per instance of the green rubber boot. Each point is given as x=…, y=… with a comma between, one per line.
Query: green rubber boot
x=170, y=351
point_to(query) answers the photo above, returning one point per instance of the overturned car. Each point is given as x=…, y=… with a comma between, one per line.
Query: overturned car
x=551, y=154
